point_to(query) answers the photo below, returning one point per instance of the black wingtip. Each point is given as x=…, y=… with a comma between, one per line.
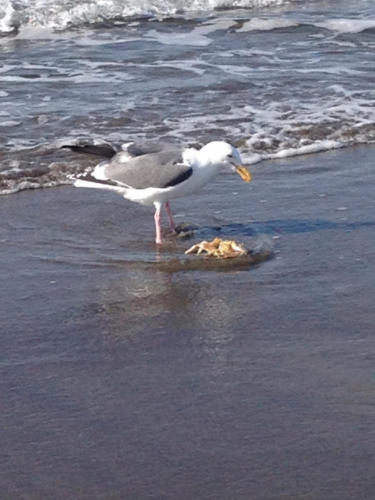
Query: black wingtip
x=102, y=150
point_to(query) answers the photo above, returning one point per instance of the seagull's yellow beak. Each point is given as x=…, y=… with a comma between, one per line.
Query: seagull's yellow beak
x=243, y=173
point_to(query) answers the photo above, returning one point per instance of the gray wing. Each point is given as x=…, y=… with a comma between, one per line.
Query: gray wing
x=104, y=150
x=144, y=148
x=108, y=151
x=158, y=170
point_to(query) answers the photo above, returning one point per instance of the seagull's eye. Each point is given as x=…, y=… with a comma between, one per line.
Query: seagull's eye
x=230, y=155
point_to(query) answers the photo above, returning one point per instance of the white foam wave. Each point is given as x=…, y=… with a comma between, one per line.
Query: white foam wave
x=287, y=152
x=63, y=14
x=257, y=24
x=29, y=15
x=342, y=25
x=193, y=38
x=347, y=25
x=316, y=147
x=10, y=123
x=9, y=18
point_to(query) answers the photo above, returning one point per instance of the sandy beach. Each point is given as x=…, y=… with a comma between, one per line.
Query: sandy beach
x=126, y=382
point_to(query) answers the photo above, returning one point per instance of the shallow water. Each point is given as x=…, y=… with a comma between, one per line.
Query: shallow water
x=126, y=382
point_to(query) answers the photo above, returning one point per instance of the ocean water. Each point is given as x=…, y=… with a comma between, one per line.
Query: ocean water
x=276, y=78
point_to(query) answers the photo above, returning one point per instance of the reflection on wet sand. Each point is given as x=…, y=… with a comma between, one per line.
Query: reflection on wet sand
x=141, y=304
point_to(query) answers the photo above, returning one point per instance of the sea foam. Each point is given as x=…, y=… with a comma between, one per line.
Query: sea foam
x=347, y=25
x=64, y=14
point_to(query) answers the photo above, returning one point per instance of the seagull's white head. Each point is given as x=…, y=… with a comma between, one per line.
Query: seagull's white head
x=222, y=154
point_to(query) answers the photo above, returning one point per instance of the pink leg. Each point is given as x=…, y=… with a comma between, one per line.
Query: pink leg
x=171, y=221
x=157, y=223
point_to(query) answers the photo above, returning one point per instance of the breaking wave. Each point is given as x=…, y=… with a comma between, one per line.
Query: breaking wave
x=64, y=14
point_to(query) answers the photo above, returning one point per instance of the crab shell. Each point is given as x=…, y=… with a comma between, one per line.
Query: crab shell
x=219, y=248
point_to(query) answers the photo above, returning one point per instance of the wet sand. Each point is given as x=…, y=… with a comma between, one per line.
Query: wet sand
x=128, y=381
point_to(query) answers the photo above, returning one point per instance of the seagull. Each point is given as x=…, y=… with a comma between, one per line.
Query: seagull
x=155, y=175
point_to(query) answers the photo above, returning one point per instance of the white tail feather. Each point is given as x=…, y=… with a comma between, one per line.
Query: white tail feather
x=98, y=185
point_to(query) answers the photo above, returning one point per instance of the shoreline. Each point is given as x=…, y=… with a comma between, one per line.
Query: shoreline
x=55, y=174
